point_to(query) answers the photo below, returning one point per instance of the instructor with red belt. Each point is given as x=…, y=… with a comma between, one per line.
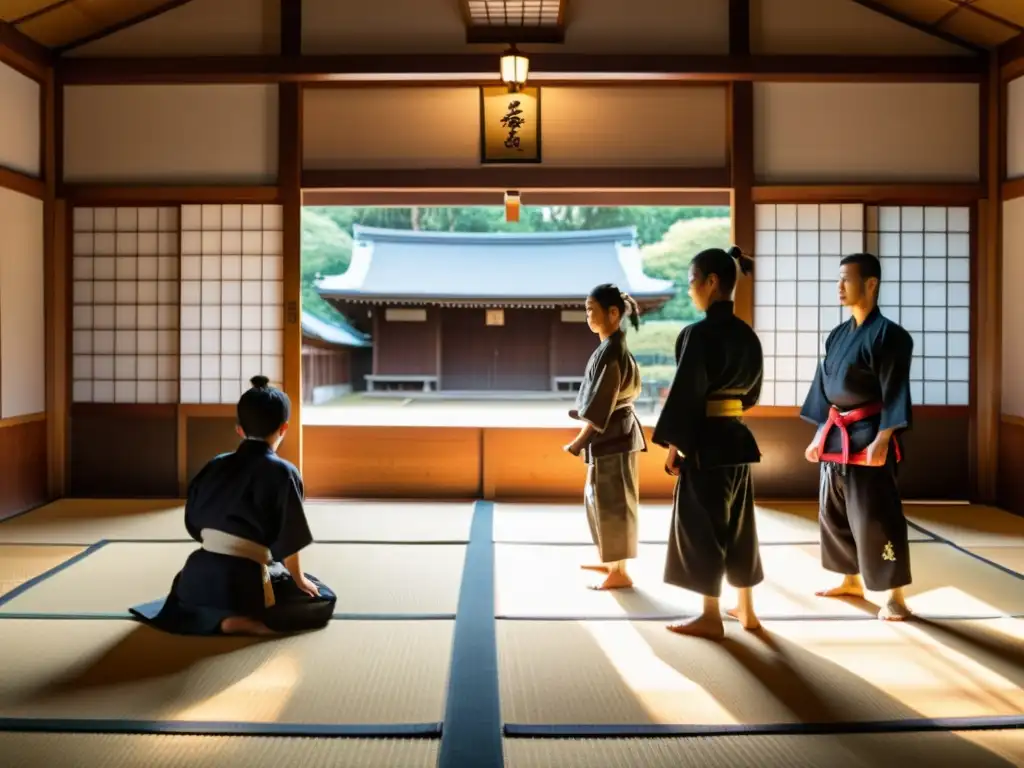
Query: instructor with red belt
x=860, y=402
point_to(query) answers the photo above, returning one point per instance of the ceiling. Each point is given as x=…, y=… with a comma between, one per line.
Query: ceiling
x=984, y=23
x=61, y=24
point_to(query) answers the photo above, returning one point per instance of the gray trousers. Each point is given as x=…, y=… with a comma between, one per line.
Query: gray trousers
x=612, y=497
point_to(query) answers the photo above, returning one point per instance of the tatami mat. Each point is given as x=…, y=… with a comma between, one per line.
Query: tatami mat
x=390, y=521
x=1007, y=557
x=541, y=581
x=86, y=521
x=794, y=523
x=976, y=749
x=18, y=564
x=37, y=750
x=368, y=578
x=969, y=525
x=351, y=672
x=811, y=672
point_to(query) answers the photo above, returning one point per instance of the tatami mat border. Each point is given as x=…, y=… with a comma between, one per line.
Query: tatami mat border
x=221, y=728
x=472, y=734
x=918, y=725
x=27, y=585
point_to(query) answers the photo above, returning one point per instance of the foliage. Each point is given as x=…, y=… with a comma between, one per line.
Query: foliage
x=654, y=337
x=669, y=259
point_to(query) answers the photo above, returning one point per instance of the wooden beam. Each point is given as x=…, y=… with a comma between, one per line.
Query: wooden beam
x=24, y=54
x=987, y=305
x=545, y=69
x=1012, y=189
x=115, y=194
x=57, y=277
x=131, y=21
x=479, y=33
x=1011, y=58
x=290, y=195
x=22, y=182
x=878, y=194
x=928, y=29
x=534, y=178
x=455, y=197
x=739, y=27
x=741, y=155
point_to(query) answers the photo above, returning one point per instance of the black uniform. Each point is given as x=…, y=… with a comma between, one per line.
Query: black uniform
x=863, y=385
x=719, y=375
x=258, y=496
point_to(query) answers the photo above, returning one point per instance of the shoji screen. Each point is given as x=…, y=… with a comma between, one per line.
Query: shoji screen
x=798, y=250
x=232, y=300
x=125, y=314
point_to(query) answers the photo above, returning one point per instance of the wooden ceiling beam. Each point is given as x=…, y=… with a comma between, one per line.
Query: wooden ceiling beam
x=480, y=33
x=24, y=54
x=545, y=68
x=928, y=29
x=131, y=21
x=1011, y=58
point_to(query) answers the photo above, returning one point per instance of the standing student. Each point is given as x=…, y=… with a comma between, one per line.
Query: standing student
x=860, y=402
x=710, y=449
x=246, y=510
x=611, y=436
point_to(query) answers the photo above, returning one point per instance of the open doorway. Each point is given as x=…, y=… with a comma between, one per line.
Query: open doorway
x=453, y=316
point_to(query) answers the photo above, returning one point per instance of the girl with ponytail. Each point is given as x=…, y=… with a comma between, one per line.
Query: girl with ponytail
x=611, y=436
x=710, y=450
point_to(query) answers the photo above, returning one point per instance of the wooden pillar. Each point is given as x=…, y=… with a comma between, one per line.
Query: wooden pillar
x=741, y=154
x=56, y=276
x=290, y=185
x=987, y=295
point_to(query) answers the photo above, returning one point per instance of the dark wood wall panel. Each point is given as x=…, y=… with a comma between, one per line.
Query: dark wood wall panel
x=937, y=465
x=206, y=437
x=1011, y=465
x=407, y=347
x=572, y=346
x=123, y=451
x=22, y=467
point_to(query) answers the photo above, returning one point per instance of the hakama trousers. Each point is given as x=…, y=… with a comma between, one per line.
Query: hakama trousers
x=211, y=588
x=713, y=534
x=863, y=529
x=612, y=497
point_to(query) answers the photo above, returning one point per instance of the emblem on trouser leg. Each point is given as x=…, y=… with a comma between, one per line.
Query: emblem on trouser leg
x=887, y=552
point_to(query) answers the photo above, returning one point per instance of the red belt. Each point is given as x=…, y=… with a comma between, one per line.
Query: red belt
x=842, y=420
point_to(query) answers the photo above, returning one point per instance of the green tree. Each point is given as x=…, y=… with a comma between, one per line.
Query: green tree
x=669, y=259
x=326, y=250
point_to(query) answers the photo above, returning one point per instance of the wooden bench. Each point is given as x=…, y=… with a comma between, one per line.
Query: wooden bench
x=429, y=383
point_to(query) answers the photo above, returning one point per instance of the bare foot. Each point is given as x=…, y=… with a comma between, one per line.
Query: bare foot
x=747, y=619
x=843, y=590
x=894, y=610
x=242, y=625
x=615, y=580
x=599, y=568
x=708, y=626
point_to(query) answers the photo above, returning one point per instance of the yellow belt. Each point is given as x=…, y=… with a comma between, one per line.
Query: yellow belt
x=221, y=543
x=723, y=409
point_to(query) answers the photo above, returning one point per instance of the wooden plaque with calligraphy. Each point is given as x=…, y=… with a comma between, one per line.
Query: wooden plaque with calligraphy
x=509, y=125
